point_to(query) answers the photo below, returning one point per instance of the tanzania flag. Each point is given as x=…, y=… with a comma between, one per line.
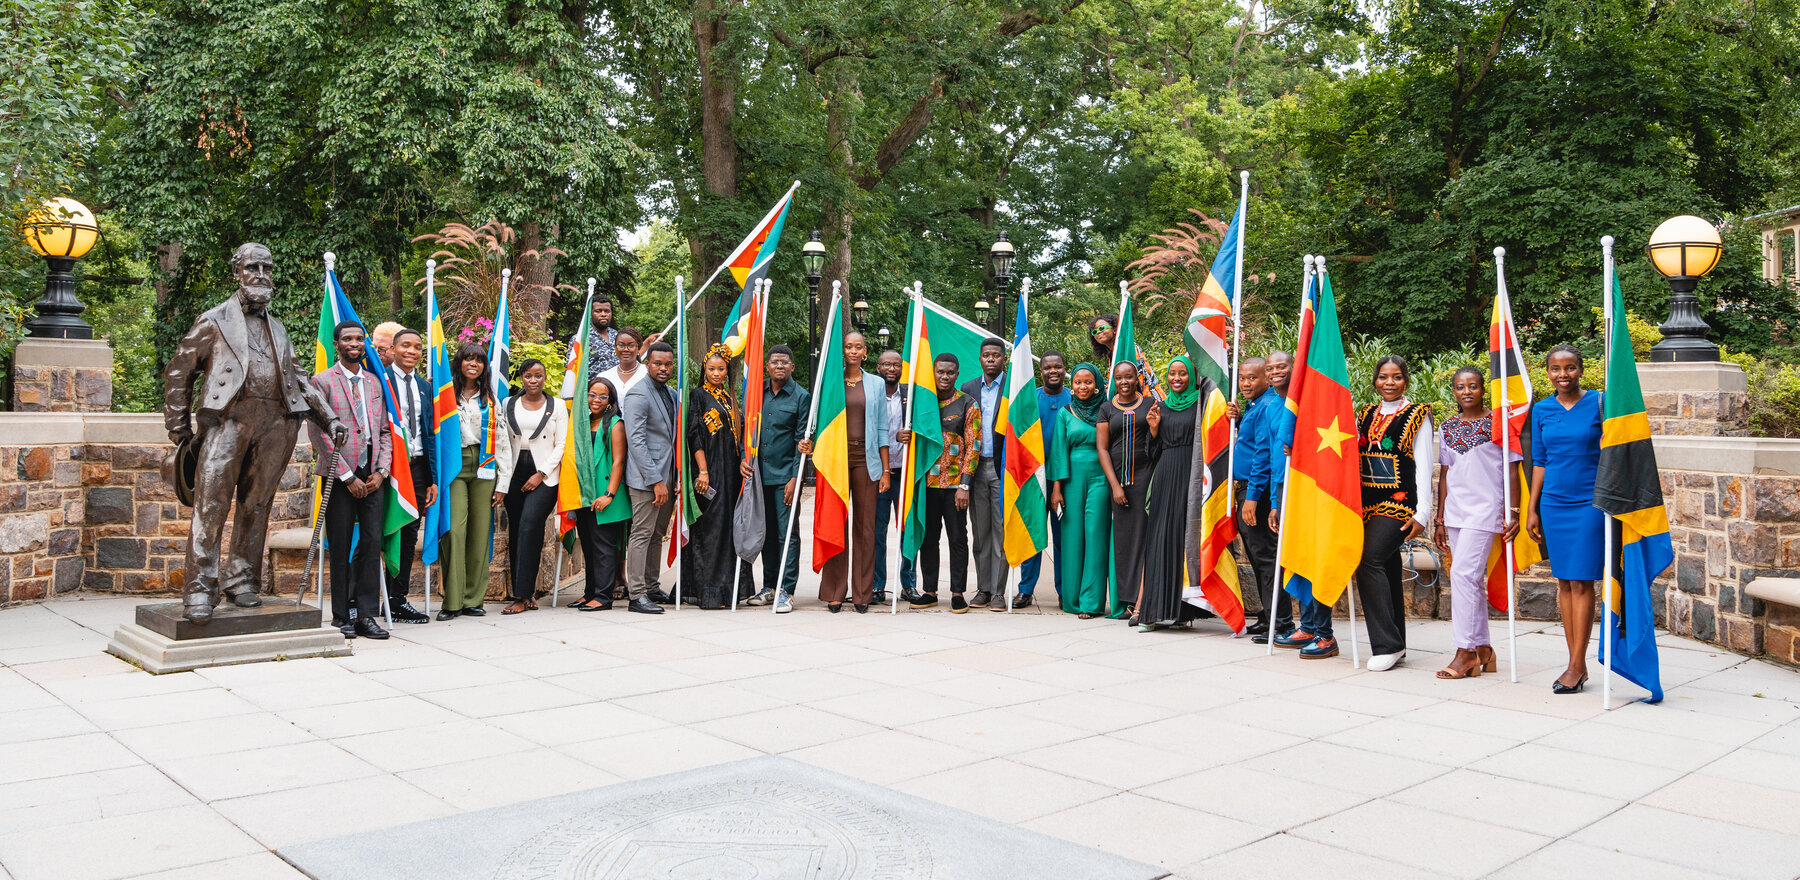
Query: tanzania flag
x=749, y=517
x=1211, y=524
x=1509, y=392
x=448, y=433
x=577, y=483
x=1298, y=587
x=927, y=433
x=831, y=446
x=1024, y=510
x=1209, y=324
x=750, y=264
x=1324, y=488
x=1629, y=490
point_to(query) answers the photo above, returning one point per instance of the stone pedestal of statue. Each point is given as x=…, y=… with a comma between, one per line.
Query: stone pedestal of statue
x=163, y=640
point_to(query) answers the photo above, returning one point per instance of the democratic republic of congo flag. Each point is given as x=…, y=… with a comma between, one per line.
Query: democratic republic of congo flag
x=448, y=435
x=1509, y=393
x=1212, y=525
x=577, y=483
x=927, y=442
x=831, y=446
x=750, y=264
x=1025, y=512
x=1209, y=324
x=1629, y=490
x=1324, y=488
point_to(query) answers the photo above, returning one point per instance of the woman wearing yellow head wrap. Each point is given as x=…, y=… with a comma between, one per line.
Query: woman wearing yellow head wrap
x=712, y=434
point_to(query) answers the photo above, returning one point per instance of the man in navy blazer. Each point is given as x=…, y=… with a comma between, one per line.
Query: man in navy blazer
x=412, y=397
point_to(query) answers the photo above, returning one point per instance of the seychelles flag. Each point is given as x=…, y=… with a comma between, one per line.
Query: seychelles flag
x=1022, y=454
x=1324, y=486
x=831, y=446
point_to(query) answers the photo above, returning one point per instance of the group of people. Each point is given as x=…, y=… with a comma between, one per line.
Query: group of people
x=1119, y=468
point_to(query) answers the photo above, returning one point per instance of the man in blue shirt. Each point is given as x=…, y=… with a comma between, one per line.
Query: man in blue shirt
x=989, y=528
x=1251, y=472
x=1053, y=395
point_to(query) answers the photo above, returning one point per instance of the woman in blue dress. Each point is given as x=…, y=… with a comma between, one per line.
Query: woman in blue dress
x=1565, y=456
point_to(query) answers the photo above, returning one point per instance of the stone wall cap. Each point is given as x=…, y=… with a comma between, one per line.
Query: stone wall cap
x=140, y=428
x=35, y=351
x=1781, y=591
x=40, y=429
x=1691, y=376
x=1729, y=455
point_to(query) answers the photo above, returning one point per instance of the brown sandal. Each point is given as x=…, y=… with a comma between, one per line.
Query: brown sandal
x=517, y=606
x=1464, y=665
x=530, y=604
x=1485, y=654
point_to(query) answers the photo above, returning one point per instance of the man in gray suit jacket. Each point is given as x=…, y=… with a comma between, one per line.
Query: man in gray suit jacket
x=650, y=474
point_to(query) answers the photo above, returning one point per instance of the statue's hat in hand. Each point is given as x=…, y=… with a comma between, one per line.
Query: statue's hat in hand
x=181, y=468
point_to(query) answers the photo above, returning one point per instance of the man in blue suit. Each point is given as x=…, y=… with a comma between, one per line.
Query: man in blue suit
x=412, y=395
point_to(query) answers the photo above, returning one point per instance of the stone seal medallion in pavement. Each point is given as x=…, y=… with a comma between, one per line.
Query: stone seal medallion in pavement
x=767, y=818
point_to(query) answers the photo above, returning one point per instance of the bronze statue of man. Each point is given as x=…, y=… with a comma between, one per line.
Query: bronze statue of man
x=253, y=396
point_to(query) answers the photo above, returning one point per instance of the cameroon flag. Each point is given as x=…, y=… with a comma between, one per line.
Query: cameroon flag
x=1629, y=490
x=1026, y=514
x=831, y=446
x=1324, y=488
x=927, y=432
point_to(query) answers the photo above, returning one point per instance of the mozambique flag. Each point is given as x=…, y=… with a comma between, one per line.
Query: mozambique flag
x=1629, y=490
x=1298, y=587
x=927, y=433
x=1209, y=324
x=1509, y=392
x=1324, y=489
x=831, y=446
x=1023, y=505
x=448, y=430
x=750, y=264
x=1211, y=523
x=577, y=483
x=402, y=500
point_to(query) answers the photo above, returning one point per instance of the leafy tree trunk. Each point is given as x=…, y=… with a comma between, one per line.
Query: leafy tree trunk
x=168, y=262
x=537, y=278
x=718, y=152
x=840, y=214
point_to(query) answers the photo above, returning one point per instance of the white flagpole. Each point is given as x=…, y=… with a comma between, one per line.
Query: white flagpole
x=1281, y=536
x=556, y=579
x=915, y=333
x=324, y=483
x=812, y=418
x=1506, y=468
x=1606, y=586
x=678, y=495
x=1237, y=300
x=430, y=296
x=695, y=297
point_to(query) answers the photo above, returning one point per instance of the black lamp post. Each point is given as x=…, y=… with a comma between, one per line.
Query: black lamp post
x=61, y=231
x=883, y=334
x=859, y=314
x=1684, y=249
x=1000, y=264
x=812, y=259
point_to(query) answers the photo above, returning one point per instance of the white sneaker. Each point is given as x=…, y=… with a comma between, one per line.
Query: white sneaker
x=761, y=598
x=1385, y=662
x=783, y=604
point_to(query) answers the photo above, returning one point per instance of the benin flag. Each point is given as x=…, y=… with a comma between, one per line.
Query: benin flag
x=750, y=264
x=1324, y=490
x=1629, y=490
x=1025, y=512
x=927, y=433
x=831, y=446
x=1211, y=521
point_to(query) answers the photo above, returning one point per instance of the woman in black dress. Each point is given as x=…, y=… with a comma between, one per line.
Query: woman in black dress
x=1173, y=424
x=709, y=559
x=1123, y=437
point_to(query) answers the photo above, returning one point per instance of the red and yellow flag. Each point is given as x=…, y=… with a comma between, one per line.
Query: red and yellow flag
x=831, y=447
x=1324, y=487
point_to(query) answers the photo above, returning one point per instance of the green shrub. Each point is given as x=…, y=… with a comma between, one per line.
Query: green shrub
x=1773, y=402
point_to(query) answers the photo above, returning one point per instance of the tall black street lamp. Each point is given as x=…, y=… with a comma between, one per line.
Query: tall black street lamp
x=1684, y=249
x=61, y=231
x=859, y=314
x=1000, y=265
x=812, y=259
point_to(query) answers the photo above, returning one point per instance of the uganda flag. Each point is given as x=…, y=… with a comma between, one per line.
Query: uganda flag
x=927, y=441
x=1211, y=524
x=1324, y=488
x=1023, y=505
x=1629, y=490
x=1509, y=393
x=831, y=446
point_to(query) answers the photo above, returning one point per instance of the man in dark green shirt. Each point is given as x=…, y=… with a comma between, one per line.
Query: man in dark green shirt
x=785, y=404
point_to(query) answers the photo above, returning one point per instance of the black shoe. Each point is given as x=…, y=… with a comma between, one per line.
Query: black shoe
x=924, y=600
x=643, y=605
x=1263, y=638
x=348, y=630
x=834, y=607
x=958, y=605
x=862, y=609
x=910, y=596
x=405, y=613
x=369, y=629
x=1022, y=600
x=447, y=614
x=881, y=597
x=1258, y=629
x=474, y=611
x=659, y=597
x=1557, y=687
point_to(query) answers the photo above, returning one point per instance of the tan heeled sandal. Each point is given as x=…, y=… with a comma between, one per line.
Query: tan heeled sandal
x=1466, y=664
x=1485, y=654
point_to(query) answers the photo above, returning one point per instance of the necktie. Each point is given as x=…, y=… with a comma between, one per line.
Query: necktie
x=362, y=417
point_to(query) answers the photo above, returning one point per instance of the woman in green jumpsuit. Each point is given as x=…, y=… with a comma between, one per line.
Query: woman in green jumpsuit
x=1079, y=487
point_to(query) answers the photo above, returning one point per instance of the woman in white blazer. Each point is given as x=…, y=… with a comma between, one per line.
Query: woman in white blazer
x=528, y=452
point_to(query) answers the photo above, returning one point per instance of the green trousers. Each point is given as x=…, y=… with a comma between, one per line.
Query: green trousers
x=463, y=551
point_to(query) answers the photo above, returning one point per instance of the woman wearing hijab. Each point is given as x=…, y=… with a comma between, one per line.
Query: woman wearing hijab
x=1079, y=489
x=1173, y=425
x=601, y=526
x=1122, y=437
x=712, y=433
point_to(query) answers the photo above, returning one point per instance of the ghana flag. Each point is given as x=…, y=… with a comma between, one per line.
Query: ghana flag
x=1212, y=525
x=1025, y=513
x=831, y=445
x=1629, y=490
x=927, y=433
x=1324, y=489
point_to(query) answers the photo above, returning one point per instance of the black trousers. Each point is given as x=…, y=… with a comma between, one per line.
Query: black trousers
x=775, y=515
x=941, y=514
x=601, y=550
x=398, y=584
x=525, y=516
x=1379, y=584
x=352, y=519
x=1260, y=545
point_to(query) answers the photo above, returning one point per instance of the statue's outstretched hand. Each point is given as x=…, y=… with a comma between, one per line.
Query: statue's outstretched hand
x=340, y=432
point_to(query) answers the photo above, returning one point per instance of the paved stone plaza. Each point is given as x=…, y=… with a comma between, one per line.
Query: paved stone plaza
x=1189, y=751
